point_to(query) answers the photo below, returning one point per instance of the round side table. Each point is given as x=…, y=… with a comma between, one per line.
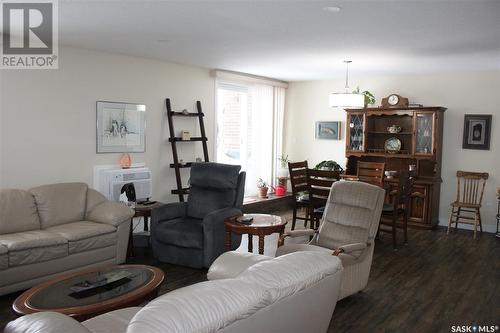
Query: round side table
x=261, y=226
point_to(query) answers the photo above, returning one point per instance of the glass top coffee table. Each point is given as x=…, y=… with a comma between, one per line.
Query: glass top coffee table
x=139, y=283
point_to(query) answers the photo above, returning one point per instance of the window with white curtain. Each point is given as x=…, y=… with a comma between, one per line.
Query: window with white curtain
x=250, y=128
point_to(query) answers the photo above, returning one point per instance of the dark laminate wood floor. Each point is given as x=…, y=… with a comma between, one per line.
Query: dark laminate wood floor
x=434, y=282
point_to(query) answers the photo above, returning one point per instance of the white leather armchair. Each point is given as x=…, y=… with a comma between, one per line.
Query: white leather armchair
x=348, y=228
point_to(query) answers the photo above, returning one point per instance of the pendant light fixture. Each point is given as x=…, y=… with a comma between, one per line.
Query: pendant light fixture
x=347, y=99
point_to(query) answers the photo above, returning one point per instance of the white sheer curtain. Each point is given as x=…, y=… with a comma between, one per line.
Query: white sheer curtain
x=260, y=138
x=250, y=129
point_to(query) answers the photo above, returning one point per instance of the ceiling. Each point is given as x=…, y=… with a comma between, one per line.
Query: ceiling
x=293, y=40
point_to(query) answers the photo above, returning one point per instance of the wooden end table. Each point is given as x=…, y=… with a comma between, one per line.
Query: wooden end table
x=262, y=225
x=55, y=294
x=140, y=211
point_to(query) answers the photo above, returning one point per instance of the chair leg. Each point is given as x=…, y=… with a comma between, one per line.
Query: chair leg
x=405, y=227
x=449, y=221
x=459, y=211
x=394, y=240
x=480, y=222
x=475, y=225
x=311, y=219
x=294, y=218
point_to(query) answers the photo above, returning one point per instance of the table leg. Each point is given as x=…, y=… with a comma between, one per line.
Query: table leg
x=250, y=243
x=228, y=240
x=146, y=221
x=130, y=247
x=261, y=244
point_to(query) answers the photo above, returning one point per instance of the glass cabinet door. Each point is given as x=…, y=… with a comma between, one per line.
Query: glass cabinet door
x=424, y=130
x=355, y=132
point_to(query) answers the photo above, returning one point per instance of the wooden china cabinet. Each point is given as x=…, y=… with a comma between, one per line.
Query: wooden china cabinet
x=416, y=139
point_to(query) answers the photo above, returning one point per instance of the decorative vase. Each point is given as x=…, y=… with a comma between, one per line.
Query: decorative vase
x=262, y=192
x=125, y=161
x=283, y=173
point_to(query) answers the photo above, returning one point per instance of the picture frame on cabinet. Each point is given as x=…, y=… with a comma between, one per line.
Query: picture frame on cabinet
x=477, y=131
x=328, y=130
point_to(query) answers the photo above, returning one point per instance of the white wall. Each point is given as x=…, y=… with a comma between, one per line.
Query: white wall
x=48, y=116
x=307, y=102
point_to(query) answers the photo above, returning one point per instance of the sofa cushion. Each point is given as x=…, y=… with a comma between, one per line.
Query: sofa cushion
x=33, y=246
x=213, y=186
x=17, y=211
x=230, y=264
x=202, y=201
x=184, y=232
x=85, y=235
x=60, y=203
x=202, y=307
x=111, y=322
x=4, y=257
x=355, y=194
x=94, y=199
x=214, y=175
x=281, y=278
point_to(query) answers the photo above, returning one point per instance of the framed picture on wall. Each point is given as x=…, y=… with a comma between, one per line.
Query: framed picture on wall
x=328, y=130
x=121, y=127
x=477, y=131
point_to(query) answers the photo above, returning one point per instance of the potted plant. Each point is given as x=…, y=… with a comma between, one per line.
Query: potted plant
x=283, y=169
x=262, y=188
x=369, y=98
x=329, y=165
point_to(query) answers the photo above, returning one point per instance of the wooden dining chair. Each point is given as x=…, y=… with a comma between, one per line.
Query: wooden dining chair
x=467, y=206
x=398, y=208
x=320, y=182
x=300, y=191
x=371, y=172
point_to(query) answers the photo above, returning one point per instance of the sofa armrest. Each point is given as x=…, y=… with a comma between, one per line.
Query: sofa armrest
x=295, y=233
x=221, y=215
x=43, y=322
x=214, y=232
x=168, y=212
x=109, y=212
x=349, y=248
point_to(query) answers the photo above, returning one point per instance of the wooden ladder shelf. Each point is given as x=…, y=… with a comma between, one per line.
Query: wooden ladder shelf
x=181, y=191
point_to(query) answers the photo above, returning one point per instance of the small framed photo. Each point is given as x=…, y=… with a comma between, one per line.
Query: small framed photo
x=328, y=130
x=477, y=131
x=121, y=127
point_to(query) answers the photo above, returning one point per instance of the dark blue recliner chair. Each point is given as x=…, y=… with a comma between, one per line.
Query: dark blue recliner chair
x=192, y=233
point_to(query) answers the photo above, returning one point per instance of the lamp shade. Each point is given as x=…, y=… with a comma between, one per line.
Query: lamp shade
x=347, y=100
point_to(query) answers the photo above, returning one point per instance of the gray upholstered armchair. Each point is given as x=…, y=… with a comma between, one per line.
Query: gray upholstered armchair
x=348, y=228
x=192, y=233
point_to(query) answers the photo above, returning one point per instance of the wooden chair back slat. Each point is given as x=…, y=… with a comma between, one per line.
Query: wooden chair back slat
x=470, y=187
x=298, y=177
x=320, y=183
x=371, y=172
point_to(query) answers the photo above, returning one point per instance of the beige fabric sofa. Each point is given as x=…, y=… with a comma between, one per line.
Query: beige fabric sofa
x=291, y=294
x=58, y=228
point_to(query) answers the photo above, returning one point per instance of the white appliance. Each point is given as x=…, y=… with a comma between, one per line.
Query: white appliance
x=109, y=181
